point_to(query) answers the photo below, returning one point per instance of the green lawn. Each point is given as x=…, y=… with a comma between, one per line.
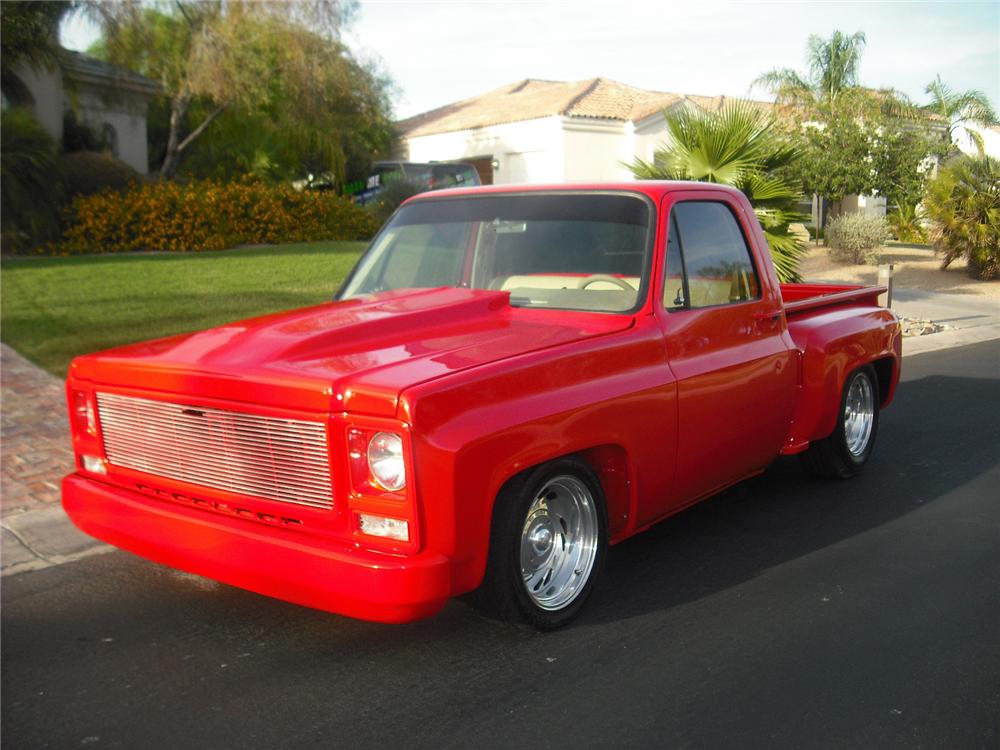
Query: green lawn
x=56, y=308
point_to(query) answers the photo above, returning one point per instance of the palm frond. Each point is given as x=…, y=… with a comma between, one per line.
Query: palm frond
x=735, y=146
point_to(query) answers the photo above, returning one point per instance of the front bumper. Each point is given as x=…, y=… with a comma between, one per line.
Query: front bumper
x=286, y=565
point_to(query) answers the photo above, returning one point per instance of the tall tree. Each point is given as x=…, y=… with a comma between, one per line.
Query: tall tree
x=848, y=155
x=736, y=146
x=855, y=140
x=283, y=61
x=958, y=109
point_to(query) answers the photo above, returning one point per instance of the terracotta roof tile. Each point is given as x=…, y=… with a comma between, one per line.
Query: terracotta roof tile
x=531, y=99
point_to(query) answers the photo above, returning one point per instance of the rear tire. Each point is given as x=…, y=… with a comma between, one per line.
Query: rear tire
x=844, y=453
x=547, y=545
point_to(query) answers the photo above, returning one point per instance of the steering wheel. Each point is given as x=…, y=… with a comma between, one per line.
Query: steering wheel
x=594, y=278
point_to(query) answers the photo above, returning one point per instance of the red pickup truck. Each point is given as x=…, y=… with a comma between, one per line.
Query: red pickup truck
x=510, y=380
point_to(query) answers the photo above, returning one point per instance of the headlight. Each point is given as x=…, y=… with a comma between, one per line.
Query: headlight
x=385, y=459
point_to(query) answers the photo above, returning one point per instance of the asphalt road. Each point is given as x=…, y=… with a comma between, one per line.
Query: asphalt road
x=786, y=613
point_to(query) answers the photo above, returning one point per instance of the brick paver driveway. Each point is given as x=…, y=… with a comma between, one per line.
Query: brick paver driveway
x=36, y=451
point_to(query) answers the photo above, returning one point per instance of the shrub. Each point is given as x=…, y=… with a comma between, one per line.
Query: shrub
x=856, y=238
x=208, y=215
x=963, y=204
x=30, y=192
x=89, y=172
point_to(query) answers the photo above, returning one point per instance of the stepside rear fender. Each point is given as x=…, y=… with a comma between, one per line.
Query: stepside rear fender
x=834, y=343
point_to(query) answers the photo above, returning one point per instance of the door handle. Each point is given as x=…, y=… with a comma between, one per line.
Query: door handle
x=767, y=315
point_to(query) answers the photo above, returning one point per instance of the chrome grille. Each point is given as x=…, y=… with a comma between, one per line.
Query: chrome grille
x=269, y=457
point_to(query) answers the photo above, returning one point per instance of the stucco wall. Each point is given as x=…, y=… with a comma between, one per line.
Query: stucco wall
x=46, y=89
x=594, y=150
x=650, y=134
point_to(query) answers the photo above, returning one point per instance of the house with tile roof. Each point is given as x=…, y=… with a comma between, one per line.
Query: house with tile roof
x=536, y=131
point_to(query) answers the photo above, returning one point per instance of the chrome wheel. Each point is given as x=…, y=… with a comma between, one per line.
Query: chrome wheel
x=859, y=415
x=559, y=542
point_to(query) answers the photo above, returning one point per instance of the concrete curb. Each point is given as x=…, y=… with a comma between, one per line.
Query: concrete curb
x=947, y=339
x=42, y=538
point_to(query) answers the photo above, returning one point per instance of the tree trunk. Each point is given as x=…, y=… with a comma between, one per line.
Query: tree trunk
x=172, y=159
x=176, y=147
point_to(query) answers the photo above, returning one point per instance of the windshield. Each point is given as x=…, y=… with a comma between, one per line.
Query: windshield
x=569, y=251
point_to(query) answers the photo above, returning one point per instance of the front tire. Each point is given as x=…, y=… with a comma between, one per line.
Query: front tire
x=547, y=545
x=845, y=452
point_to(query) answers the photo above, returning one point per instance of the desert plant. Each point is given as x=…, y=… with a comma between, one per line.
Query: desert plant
x=856, y=238
x=30, y=190
x=89, y=172
x=736, y=146
x=906, y=224
x=963, y=204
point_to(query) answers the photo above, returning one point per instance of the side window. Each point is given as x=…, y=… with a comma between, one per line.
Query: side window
x=716, y=258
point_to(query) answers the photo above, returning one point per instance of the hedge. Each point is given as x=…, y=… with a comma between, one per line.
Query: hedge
x=208, y=215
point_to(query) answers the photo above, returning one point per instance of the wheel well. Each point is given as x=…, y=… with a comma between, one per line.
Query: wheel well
x=611, y=466
x=883, y=373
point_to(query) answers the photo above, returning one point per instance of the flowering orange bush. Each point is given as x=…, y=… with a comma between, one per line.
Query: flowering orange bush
x=208, y=215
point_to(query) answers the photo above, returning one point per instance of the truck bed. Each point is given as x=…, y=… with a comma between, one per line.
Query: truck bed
x=799, y=298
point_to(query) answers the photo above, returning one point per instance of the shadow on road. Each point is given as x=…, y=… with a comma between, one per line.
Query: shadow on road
x=923, y=451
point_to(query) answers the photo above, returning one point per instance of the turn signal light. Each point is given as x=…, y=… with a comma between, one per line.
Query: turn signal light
x=389, y=528
x=93, y=464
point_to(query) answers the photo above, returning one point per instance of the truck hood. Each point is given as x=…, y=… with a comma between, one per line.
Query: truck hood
x=356, y=355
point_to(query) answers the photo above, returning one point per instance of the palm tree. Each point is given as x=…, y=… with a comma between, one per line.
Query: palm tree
x=736, y=146
x=833, y=71
x=958, y=108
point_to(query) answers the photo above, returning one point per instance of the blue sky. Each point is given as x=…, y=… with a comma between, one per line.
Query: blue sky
x=440, y=52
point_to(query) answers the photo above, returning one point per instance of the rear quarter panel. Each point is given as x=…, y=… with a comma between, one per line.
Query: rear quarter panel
x=833, y=343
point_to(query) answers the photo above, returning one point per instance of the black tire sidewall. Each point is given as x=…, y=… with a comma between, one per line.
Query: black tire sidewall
x=851, y=462
x=511, y=520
